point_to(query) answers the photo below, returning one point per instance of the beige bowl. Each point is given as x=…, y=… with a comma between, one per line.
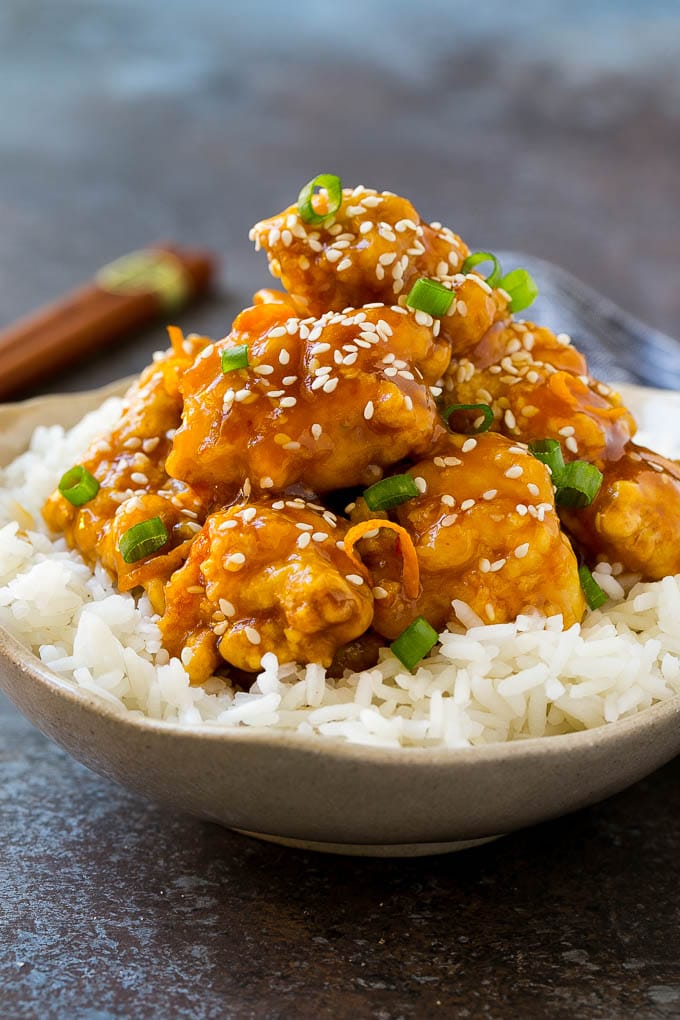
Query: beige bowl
x=308, y=791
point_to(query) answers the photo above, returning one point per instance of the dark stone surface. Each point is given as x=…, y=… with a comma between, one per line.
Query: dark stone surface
x=123, y=123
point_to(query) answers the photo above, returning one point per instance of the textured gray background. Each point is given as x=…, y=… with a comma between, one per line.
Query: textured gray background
x=546, y=127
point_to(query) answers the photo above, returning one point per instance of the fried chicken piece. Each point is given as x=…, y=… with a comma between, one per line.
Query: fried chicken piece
x=485, y=531
x=129, y=464
x=634, y=518
x=327, y=403
x=266, y=577
x=538, y=387
x=374, y=248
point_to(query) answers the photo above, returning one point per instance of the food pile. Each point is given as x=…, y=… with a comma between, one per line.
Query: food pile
x=370, y=455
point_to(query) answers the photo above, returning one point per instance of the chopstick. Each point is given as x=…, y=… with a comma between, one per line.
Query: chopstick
x=124, y=296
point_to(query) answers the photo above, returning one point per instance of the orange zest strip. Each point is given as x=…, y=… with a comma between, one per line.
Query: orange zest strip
x=176, y=338
x=406, y=548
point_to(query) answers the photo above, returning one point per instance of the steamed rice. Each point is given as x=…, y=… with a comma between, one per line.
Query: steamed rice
x=482, y=684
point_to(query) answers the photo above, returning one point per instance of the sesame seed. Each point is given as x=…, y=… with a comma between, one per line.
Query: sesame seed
x=277, y=331
x=498, y=565
x=235, y=560
x=448, y=520
x=263, y=370
x=567, y=430
x=571, y=444
x=291, y=446
x=467, y=504
x=139, y=478
x=447, y=500
x=345, y=264
x=390, y=371
x=319, y=536
x=288, y=402
x=490, y=612
x=321, y=348
x=368, y=410
x=227, y=525
x=533, y=489
x=420, y=484
x=379, y=593
x=366, y=227
x=302, y=526
x=150, y=444
x=408, y=403
x=484, y=565
x=275, y=394
x=514, y=472
x=278, y=505
x=304, y=539
x=468, y=445
x=521, y=509
x=252, y=635
x=489, y=494
x=227, y=607
x=249, y=514
x=510, y=419
x=288, y=380
x=333, y=254
x=522, y=550
x=316, y=430
x=329, y=386
x=241, y=395
x=266, y=482
x=355, y=578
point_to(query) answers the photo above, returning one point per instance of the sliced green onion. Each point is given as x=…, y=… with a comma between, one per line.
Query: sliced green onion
x=549, y=452
x=484, y=411
x=333, y=186
x=415, y=642
x=78, y=486
x=390, y=492
x=478, y=257
x=520, y=285
x=235, y=357
x=430, y=296
x=143, y=539
x=578, y=484
x=595, y=597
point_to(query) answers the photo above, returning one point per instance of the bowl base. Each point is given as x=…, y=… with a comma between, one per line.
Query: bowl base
x=372, y=849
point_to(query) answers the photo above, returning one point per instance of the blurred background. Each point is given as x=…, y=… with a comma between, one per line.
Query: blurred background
x=552, y=128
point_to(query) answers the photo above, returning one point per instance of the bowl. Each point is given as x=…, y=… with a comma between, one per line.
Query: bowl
x=311, y=792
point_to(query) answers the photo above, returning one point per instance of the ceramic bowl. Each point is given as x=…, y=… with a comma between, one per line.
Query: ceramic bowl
x=312, y=792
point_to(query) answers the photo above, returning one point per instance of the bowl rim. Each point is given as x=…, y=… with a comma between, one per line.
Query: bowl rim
x=25, y=661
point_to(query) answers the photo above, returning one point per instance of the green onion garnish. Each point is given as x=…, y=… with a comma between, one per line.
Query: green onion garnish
x=483, y=256
x=143, y=539
x=484, y=411
x=578, y=484
x=333, y=186
x=520, y=285
x=235, y=357
x=390, y=492
x=78, y=486
x=595, y=597
x=415, y=642
x=430, y=296
x=549, y=452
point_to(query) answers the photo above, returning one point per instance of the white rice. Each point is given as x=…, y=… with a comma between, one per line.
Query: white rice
x=482, y=684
